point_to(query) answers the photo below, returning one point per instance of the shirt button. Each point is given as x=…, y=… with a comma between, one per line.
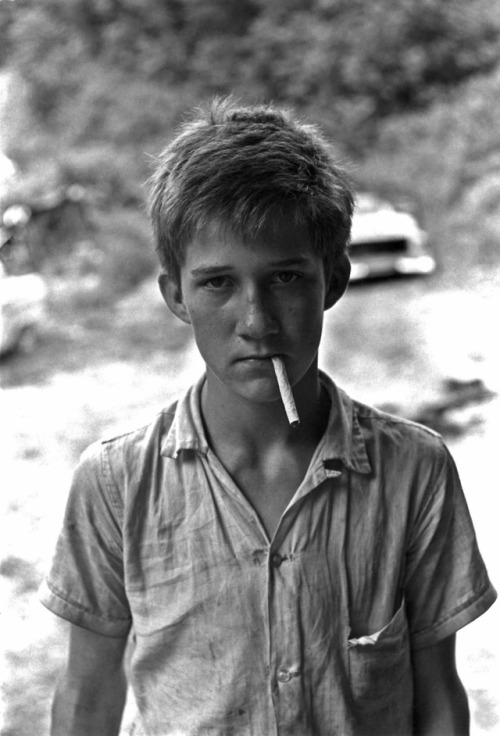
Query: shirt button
x=284, y=676
x=276, y=559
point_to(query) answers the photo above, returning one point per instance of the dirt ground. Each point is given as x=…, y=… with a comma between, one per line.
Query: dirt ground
x=392, y=344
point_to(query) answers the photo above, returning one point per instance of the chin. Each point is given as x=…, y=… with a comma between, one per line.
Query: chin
x=258, y=391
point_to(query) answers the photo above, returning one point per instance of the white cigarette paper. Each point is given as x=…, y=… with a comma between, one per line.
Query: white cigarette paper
x=285, y=390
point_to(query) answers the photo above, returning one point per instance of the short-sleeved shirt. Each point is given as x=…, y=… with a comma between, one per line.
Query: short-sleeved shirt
x=309, y=632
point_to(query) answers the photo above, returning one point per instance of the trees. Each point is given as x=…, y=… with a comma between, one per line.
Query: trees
x=357, y=62
x=380, y=57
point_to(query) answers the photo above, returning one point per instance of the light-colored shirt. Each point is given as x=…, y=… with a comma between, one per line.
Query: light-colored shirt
x=309, y=633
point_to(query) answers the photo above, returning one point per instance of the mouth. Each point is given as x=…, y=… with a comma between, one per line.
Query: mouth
x=261, y=363
x=256, y=358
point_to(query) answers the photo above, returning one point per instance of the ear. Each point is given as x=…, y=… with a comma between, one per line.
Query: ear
x=339, y=280
x=172, y=294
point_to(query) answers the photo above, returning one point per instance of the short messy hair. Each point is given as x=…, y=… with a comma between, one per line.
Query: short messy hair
x=241, y=166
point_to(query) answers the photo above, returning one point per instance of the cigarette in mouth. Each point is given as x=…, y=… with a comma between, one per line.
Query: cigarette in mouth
x=285, y=390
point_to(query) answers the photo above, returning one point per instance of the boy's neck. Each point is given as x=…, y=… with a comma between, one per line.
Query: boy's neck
x=258, y=425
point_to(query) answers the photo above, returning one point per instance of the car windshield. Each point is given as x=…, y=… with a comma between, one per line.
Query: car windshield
x=367, y=202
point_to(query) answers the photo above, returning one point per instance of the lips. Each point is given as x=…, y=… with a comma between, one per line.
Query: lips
x=257, y=358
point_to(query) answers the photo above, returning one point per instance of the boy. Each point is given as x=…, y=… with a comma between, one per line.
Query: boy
x=276, y=579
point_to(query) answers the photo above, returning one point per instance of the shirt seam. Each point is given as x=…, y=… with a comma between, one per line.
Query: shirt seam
x=110, y=486
x=59, y=594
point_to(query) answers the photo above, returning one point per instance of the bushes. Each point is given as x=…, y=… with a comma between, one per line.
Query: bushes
x=102, y=263
x=446, y=160
x=362, y=60
x=122, y=255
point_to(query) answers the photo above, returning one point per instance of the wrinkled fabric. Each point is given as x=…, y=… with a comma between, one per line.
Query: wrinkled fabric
x=308, y=633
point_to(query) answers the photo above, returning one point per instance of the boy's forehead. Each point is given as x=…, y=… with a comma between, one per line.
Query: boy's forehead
x=277, y=233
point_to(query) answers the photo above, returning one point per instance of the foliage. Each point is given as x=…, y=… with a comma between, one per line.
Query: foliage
x=108, y=80
x=359, y=61
x=446, y=160
x=126, y=254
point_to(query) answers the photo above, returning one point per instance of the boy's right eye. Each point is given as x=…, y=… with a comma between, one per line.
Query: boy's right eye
x=216, y=282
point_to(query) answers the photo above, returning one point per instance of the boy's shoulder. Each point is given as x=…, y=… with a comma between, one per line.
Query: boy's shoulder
x=400, y=448
x=159, y=422
x=130, y=444
x=384, y=439
x=384, y=427
x=374, y=419
x=382, y=417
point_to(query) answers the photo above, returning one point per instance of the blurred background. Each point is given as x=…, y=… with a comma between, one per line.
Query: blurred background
x=90, y=90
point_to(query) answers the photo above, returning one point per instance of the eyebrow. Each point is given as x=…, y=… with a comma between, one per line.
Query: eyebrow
x=282, y=263
x=301, y=261
x=208, y=270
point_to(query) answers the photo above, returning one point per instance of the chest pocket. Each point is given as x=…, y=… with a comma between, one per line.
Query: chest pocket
x=380, y=674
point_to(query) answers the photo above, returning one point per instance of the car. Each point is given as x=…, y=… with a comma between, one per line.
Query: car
x=386, y=241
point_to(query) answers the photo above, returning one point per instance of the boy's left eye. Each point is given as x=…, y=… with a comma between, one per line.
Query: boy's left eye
x=285, y=277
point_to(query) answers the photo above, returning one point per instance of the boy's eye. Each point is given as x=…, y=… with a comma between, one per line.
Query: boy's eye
x=216, y=282
x=285, y=277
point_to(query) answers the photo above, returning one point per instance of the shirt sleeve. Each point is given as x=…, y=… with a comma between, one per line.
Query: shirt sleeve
x=85, y=584
x=447, y=585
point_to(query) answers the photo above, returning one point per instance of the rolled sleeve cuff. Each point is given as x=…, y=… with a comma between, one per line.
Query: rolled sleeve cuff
x=459, y=618
x=77, y=614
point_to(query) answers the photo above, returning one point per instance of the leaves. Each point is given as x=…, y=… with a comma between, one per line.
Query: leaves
x=361, y=61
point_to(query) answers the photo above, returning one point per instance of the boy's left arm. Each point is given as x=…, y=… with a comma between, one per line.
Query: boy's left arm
x=441, y=707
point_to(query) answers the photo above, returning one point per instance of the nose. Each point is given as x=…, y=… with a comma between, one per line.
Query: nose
x=256, y=319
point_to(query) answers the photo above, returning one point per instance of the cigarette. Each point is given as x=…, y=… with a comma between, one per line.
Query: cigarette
x=285, y=391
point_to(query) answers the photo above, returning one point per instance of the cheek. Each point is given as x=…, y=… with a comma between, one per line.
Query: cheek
x=208, y=326
x=304, y=316
x=306, y=325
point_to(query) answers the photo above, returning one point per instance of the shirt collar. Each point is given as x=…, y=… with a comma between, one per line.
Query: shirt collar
x=187, y=431
x=343, y=439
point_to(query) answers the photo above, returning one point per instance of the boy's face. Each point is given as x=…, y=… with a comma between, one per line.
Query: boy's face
x=250, y=300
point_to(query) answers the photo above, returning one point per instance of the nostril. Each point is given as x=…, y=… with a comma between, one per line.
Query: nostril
x=256, y=320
